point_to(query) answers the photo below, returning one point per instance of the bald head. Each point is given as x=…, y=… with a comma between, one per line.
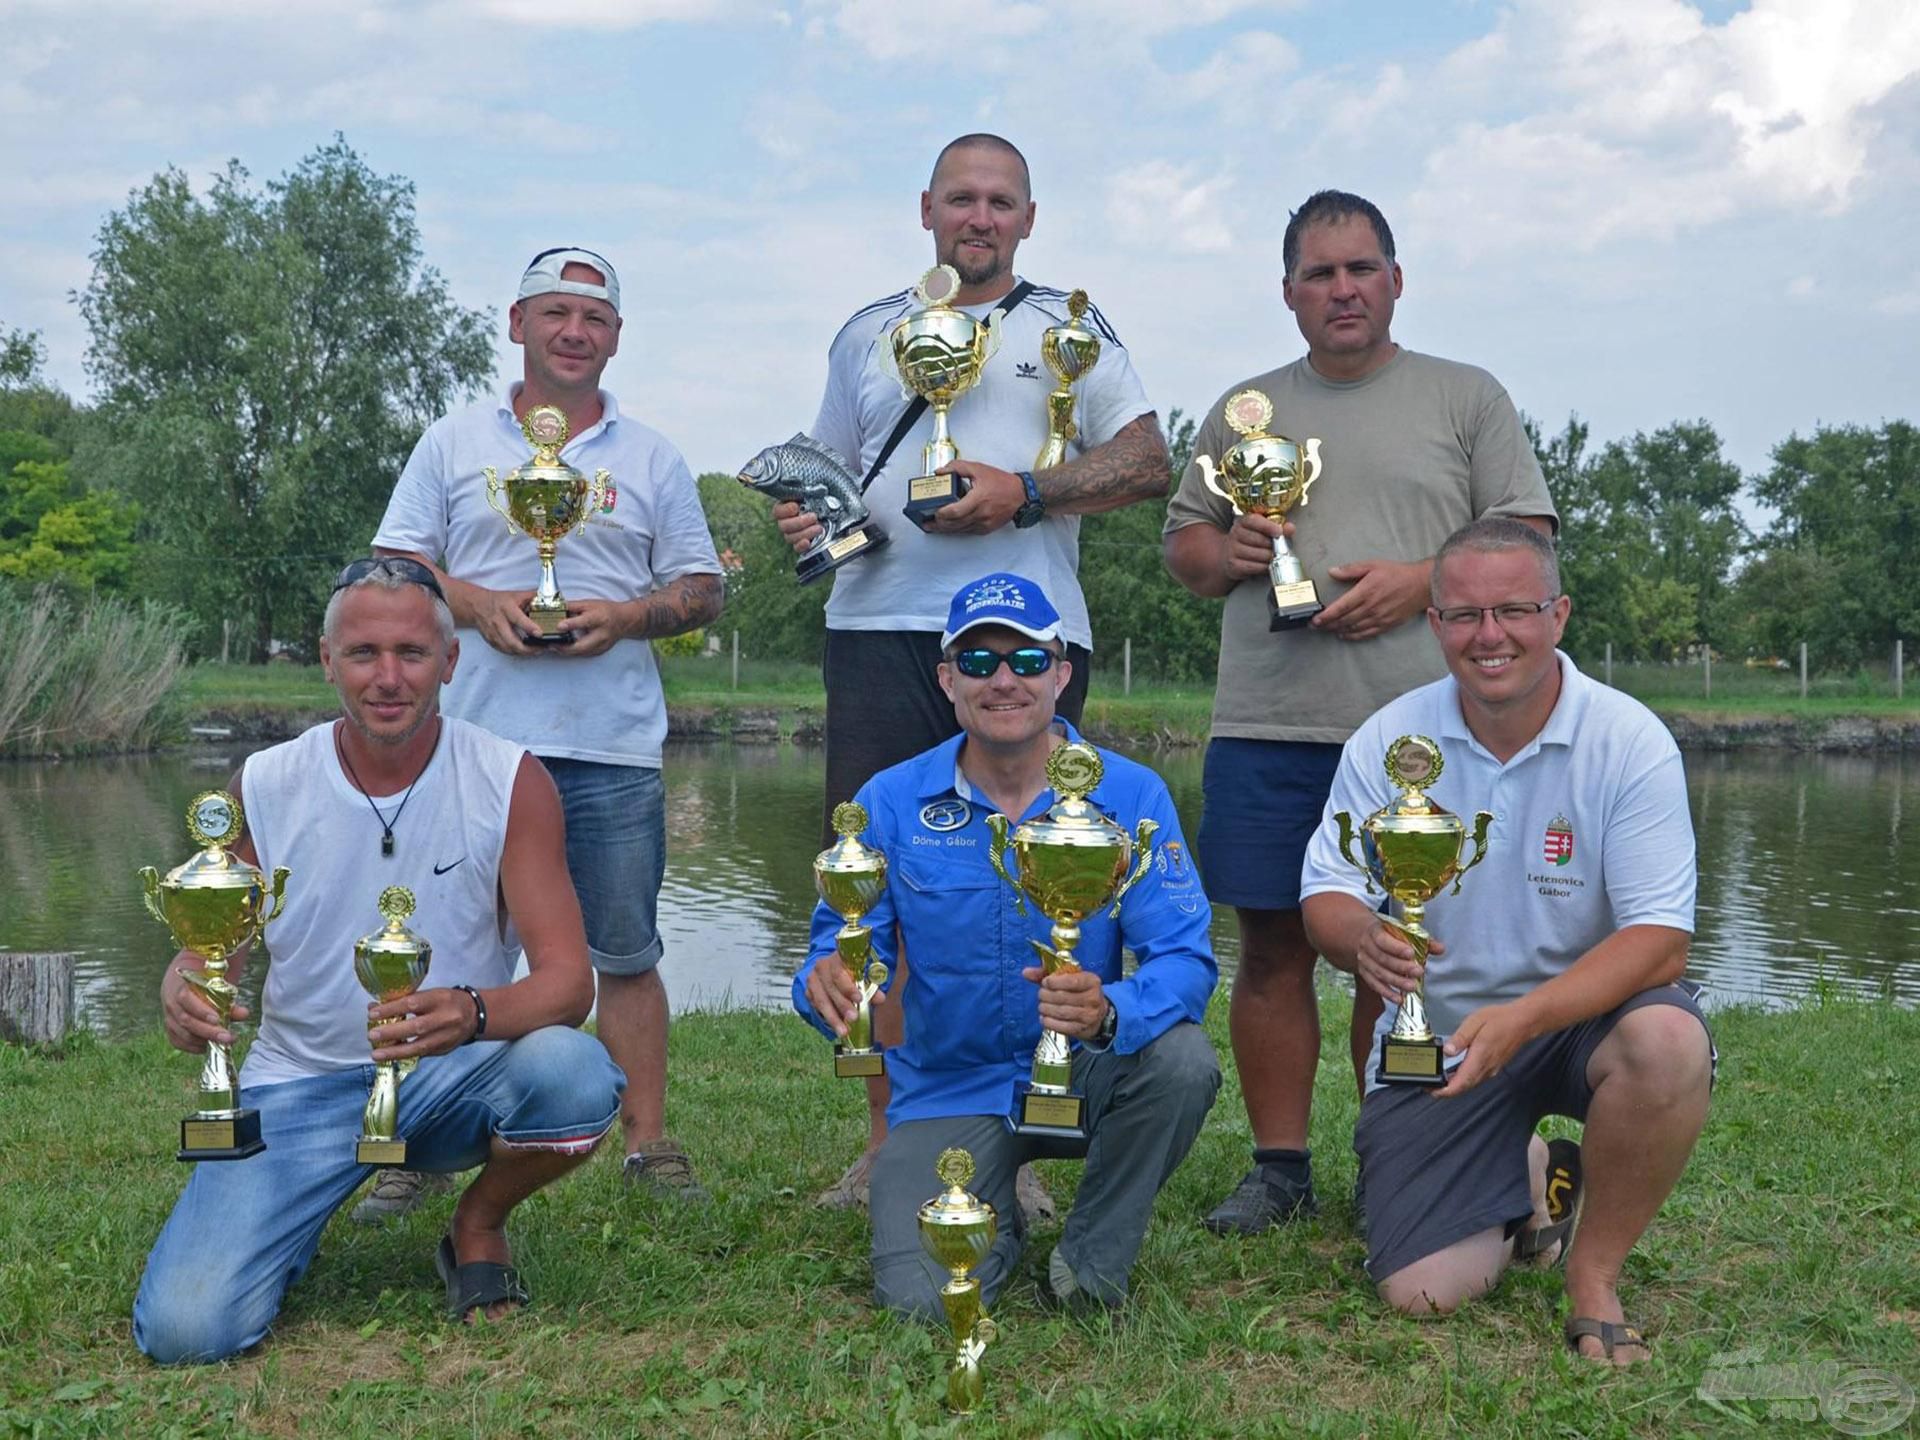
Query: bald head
x=984, y=141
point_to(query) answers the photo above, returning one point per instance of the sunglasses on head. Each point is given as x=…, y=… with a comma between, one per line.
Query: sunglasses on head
x=396, y=565
x=979, y=663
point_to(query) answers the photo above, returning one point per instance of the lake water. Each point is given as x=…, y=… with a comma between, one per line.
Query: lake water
x=1807, y=876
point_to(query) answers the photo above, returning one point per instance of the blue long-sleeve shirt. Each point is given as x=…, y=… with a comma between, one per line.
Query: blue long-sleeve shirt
x=971, y=1021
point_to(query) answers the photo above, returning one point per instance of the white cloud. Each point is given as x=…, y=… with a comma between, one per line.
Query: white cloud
x=1156, y=204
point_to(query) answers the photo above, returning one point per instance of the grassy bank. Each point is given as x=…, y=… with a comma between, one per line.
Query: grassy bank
x=1792, y=1236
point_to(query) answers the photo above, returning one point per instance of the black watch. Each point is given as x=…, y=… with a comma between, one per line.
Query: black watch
x=1035, y=509
x=1110, y=1026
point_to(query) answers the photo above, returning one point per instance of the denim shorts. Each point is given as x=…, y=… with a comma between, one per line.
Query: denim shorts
x=1262, y=802
x=617, y=854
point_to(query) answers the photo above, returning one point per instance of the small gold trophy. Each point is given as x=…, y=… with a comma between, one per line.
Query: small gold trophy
x=1411, y=849
x=214, y=903
x=1070, y=351
x=390, y=963
x=937, y=353
x=1072, y=860
x=1268, y=475
x=958, y=1228
x=548, y=499
x=850, y=877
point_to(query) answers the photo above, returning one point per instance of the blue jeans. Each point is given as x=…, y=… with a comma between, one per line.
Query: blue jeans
x=616, y=853
x=243, y=1231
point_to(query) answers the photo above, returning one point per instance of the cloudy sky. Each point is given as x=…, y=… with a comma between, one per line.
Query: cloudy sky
x=1637, y=210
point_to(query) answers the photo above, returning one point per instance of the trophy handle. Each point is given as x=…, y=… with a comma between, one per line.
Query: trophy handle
x=1207, y=472
x=150, y=886
x=279, y=893
x=494, y=486
x=990, y=343
x=1481, y=820
x=596, y=497
x=1141, y=845
x=1313, y=469
x=996, y=852
x=1345, y=821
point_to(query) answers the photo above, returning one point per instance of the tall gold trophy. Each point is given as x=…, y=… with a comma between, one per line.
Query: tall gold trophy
x=1268, y=475
x=958, y=1228
x=390, y=964
x=1072, y=861
x=214, y=903
x=1411, y=850
x=850, y=877
x=937, y=353
x=548, y=499
x=1070, y=351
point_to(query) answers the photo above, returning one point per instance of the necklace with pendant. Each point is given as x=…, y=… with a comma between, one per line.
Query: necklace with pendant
x=386, y=825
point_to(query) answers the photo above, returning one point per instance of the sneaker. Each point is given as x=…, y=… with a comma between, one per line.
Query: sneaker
x=663, y=1167
x=849, y=1192
x=395, y=1192
x=1266, y=1198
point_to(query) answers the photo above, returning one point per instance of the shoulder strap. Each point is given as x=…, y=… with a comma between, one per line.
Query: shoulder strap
x=917, y=406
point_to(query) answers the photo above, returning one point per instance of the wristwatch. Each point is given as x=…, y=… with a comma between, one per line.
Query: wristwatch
x=1035, y=509
x=1109, y=1027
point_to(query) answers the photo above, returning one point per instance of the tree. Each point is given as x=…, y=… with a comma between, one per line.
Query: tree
x=775, y=615
x=21, y=356
x=265, y=361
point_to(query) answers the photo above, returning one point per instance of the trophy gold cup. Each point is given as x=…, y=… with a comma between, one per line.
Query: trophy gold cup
x=1411, y=850
x=958, y=1228
x=390, y=964
x=1070, y=351
x=1268, y=475
x=1072, y=860
x=213, y=904
x=547, y=499
x=850, y=877
x=937, y=353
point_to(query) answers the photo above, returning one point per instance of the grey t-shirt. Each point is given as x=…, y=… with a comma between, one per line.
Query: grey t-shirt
x=1409, y=454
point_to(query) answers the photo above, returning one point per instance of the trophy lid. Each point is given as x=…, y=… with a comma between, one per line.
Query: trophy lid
x=1413, y=762
x=957, y=1227
x=215, y=819
x=1247, y=413
x=937, y=287
x=850, y=874
x=392, y=961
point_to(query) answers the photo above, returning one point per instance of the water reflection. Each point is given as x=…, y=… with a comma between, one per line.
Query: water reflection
x=1806, y=876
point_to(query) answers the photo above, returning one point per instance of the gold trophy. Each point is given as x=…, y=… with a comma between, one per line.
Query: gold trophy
x=1072, y=860
x=548, y=499
x=1411, y=849
x=958, y=1228
x=850, y=877
x=1268, y=475
x=214, y=904
x=937, y=353
x=1070, y=351
x=390, y=963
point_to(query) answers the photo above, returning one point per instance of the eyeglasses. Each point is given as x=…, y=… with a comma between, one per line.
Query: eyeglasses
x=396, y=565
x=981, y=663
x=1514, y=612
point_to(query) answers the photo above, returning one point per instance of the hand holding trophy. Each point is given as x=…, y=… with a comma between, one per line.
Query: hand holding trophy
x=548, y=499
x=850, y=877
x=957, y=1228
x=1268, y=475
x=390, y=964
x=937, y=353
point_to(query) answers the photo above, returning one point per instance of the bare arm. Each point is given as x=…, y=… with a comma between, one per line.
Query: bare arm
x=1131, y=466
x=1210, y=561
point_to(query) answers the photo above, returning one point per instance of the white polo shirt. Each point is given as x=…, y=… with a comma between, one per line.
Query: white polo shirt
x=1591, y=834
x=1003, y=421
x=648, y=533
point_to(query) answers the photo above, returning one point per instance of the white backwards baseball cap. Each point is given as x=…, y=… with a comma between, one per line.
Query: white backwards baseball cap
x=543, y=277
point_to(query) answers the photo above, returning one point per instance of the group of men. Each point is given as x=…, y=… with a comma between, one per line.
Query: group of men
x=956, y=663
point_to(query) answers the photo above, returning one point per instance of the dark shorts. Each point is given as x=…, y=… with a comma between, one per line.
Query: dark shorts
x=1263, y=801
x=885, y=705
x=1437, y=1171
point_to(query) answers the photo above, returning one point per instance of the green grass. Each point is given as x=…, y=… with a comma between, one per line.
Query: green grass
x=1792, y=1234
x=212, y=686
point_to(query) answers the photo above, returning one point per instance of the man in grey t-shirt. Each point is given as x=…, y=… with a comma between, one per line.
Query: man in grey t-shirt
x=1413, y=447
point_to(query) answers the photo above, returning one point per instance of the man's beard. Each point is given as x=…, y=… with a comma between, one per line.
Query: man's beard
x=977, y=272
x=393, y=742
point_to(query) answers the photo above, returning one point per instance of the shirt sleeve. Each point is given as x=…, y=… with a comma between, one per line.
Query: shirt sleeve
x=826, y=924
x=682, y=543
x=1163, y=920
x=1503, y=472
x=1192, y=502
x=838, y=423
x=1111, y=397
x=1359, y=794
x=1651, y=870
x=416, y=518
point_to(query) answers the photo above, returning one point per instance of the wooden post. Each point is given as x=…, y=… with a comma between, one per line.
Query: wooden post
x=1609, y=662
x=736, y=659
x=1126, y=666
x=1706, y=669
x=226, y=639
x=1803, y=669
x=36, y=998
x=1899, y=667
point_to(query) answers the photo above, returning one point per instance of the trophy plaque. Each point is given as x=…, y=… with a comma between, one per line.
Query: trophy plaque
x=958, y=1228
x=1268, y=475
x=213, y=904
x=937, y=352
x=1072, y=860
x=1070, y=351
x=390, y=964
x=547, y=499
x=1411, y=850
x=850, y=877
x=816, y=478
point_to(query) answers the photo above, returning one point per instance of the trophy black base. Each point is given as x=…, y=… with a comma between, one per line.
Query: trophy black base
x=830, y=557
x=929, y=493
x=1291, y=606
x=1037, y=1112
x=1411, y=1062
x=857, y=1064
x=557, y=637
x=227, y=1137
x=380, y=1152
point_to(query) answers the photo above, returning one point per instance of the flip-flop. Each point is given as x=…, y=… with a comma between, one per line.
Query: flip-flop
x=1606, y=1332
x=1565, y=1191
x=476, y=1284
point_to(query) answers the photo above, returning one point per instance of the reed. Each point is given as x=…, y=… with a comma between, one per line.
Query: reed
x=85, y=674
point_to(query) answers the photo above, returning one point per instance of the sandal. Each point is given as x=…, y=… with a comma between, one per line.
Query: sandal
x=1565, y=1191
x=1606, y=1332
x=476, y=1284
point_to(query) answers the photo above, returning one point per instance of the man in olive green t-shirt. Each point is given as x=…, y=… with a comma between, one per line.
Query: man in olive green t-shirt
x=1412, y=448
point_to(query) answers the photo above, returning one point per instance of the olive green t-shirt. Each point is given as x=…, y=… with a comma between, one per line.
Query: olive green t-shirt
x=1409, y=454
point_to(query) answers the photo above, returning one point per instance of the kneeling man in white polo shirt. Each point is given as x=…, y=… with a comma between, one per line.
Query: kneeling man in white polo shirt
x=1555, y=973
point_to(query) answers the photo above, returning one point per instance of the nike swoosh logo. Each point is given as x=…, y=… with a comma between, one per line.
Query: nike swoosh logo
x=442, y=869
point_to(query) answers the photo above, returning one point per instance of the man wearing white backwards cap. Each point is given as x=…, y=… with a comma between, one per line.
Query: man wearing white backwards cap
x=642, y=568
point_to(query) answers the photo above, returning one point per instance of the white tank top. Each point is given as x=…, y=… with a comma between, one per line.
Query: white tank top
x=304, y=813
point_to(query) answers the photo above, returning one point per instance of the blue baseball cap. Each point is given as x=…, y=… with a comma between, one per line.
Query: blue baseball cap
x=1001, y=599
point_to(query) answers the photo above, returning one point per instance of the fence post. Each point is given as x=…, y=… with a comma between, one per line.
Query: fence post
x=226, y=638
x=1803, y=669
x=736, y=659
x=1706, y=669
x=1609, y=662
x=1899, y=667
x=36, y=998
x=1126, y=667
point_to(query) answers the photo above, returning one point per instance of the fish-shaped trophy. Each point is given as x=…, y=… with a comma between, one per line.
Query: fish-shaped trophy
x=813, y=474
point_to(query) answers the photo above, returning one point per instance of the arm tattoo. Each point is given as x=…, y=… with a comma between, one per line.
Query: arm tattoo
x=1132, y=466
x=686, y=604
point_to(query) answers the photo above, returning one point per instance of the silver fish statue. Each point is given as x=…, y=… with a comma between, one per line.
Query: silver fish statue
x=813, y=474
